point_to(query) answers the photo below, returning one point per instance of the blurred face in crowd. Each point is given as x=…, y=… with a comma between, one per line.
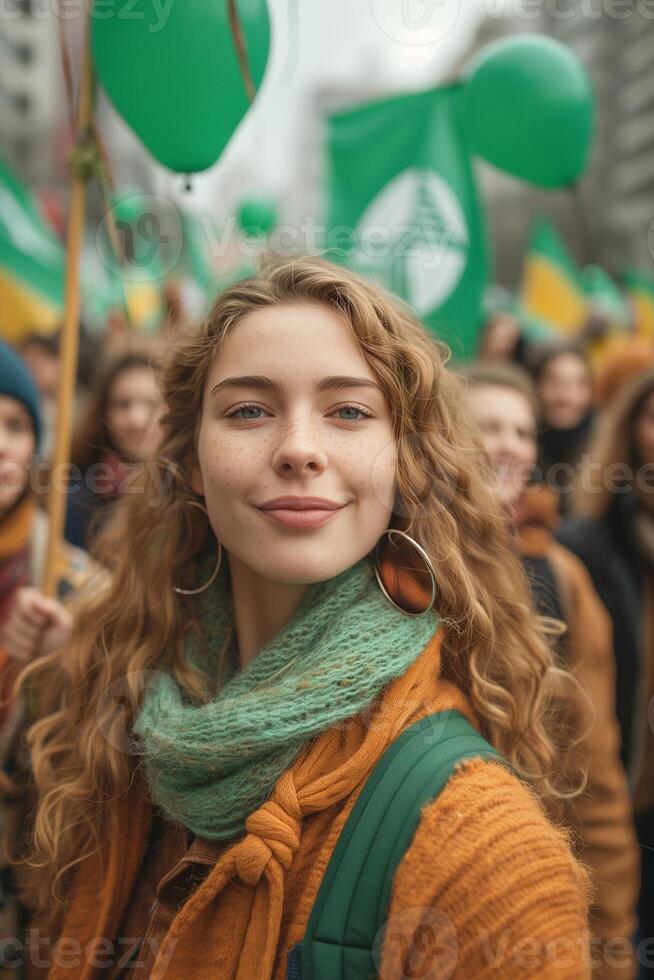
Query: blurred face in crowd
x=644, y=432
x=500, y=338
x=508, y=431
x=643, y=445
x=133, y=413
x=44, y=367
x=301, y=434
x=17, y=443
x=565, y=391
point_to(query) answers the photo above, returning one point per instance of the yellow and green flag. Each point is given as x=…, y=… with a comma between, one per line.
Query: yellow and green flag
x=639, y=287
x=32, y=264
x=551, y=285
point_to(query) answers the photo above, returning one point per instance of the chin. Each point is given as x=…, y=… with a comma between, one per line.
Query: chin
x=567, y=422
x=302, y=569
x=8, y=498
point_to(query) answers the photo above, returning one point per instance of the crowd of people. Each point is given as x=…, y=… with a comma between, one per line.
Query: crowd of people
x=262, y=603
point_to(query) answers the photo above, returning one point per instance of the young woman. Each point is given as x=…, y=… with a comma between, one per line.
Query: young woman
x=613, y=535
x=120, y=428
x=503, y=403
x=223, y=702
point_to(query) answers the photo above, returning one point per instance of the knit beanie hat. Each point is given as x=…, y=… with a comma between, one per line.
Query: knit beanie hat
x=17, y=382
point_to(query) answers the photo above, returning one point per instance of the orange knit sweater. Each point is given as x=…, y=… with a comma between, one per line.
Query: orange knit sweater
x=488, y=888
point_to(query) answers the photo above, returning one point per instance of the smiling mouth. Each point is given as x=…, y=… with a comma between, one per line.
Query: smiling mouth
x=301, y=518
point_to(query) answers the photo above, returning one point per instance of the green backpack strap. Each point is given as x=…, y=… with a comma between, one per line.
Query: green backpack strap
x=354, y=896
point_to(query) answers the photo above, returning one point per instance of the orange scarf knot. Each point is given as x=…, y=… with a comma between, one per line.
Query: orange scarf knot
x=272, y=831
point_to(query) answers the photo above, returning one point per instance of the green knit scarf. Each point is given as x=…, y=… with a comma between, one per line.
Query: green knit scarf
x=209, y=766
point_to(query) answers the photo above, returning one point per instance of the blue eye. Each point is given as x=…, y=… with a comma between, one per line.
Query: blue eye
x=353, y=408
x=245, y=408
x=252, y=407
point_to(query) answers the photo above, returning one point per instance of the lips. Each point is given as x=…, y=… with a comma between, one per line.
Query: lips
x=301, y=512
x=300, y=503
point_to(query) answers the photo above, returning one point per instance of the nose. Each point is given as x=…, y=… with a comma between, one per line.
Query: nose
x=139, y=417
x=511, y=456
x=504, y=445
x=512, y=447
x=299, y=450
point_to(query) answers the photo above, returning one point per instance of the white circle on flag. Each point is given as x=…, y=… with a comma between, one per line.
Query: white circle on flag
x=416, y=22
x=419, y=219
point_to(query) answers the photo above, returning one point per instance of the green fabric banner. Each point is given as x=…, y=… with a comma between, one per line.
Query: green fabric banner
x=403, y=208
x=29, y=251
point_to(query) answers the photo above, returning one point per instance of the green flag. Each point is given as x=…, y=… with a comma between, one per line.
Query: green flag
x=403, y=208
x=639, y=287
x=605, y=297
x=552, y=288
x=32, y=262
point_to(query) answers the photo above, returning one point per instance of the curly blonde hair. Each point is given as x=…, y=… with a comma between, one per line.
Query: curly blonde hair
x=493, y=648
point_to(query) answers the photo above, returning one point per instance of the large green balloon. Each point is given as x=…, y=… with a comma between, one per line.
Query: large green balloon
x=529, y=109
x=175, y=77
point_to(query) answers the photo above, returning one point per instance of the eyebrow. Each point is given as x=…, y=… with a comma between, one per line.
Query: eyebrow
x=270, y=384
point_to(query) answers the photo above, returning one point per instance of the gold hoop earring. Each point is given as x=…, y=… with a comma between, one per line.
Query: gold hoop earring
x=404, y=585
x=195, y=503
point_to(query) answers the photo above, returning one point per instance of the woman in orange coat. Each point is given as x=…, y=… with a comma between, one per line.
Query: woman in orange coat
x=267, y=636
x=503, y=402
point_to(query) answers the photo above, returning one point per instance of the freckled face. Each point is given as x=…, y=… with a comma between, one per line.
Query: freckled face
x=319, y=426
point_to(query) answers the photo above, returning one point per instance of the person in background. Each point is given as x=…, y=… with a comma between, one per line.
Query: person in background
x=503, y=404
x=625, y=359
x=26, y=616
x=119, y=431
x=41, y=354
x=510, y=334
x=565, y=395
x=612, y=532
x=500, y=339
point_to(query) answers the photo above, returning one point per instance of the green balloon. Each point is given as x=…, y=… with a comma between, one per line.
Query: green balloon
x=529, y=109
x=257, y=216
x=175, y=78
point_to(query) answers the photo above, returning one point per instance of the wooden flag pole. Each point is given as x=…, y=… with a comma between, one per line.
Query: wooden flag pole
x=240, y=44
x=70, y=337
